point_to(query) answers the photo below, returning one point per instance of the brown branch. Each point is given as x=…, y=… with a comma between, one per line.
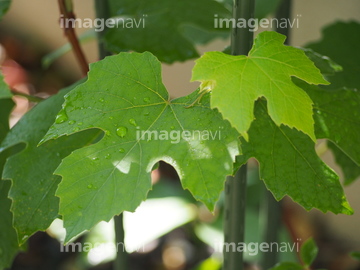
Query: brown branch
x=69, y=32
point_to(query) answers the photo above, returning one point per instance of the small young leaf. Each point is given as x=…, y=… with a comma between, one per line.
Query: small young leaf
x=287, y=266
x=157, y=26
x=289, y=165
x=124, y=96
x=240, y=80
x=33, y=212
x=308, y=251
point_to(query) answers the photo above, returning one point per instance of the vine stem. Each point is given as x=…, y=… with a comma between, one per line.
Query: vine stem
x=235, y=187
x=67, y=14
x=121, y=261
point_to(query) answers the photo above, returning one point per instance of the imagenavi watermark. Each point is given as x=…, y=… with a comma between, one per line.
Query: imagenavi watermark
x=253, y=24
x=254, y=248
x=99, y=24
x=97, y=247
x=175, y=136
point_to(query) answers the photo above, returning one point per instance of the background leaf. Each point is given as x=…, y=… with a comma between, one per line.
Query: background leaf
x=163, y=33
x=287, y=266
x=266, y=72
x=124, y=96
x=289, y=165
x=349, y=168
x=308, y=251
x=4, y=7
x=34, y=204
x=340, y=42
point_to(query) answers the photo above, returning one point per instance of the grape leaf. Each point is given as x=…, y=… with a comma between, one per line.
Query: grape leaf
x=340, y=42
x=337, y=117
x=237, y=81
x=8, y=244
x=4, y=7
x=124, y=96
x=160, y=26
x=33, y=212
x=349, y=168
x=289, y=165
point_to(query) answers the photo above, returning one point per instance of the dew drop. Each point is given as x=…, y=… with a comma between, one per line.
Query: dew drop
x=146, y=99
x=146, y=113
x=80, y=123
x=61, y=117
x=172, y=127
x=71, y=122
x=121, y=131
x=132, y=122
x=108, y=156
x=121, y=150
x=90, y=186
x=95, y=158
x=111, y=118
x=107, y=133
x=101, y=99
x=75, y=129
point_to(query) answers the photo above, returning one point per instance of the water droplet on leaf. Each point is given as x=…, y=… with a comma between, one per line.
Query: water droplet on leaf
x=61, y=117
x=71, y=122
x=108, y=156
x=132, y=122
x=101, y=99
x=121, y=131
x=146, y=99
x=95, y=158
x=121, y=150
x=90, y=186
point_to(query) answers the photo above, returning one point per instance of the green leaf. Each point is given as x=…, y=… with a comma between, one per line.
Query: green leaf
x=6, y=106
x=8, y=244
x=355, y=255
x=289, y=165
x=326, y=66
x=4, y=7
x=160, y=26
x=349, y=168
x=287, y=266
x=337, y=117
x=237, y=81
x=33, y=211
x=124, y=96
x=308, y=251
x=340, y=42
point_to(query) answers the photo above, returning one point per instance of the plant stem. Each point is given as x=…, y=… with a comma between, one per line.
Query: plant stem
x=272, y=208
x=121, y=254
x=28, y=97
x=235, y=187
x=67, y=13
x=103, y=12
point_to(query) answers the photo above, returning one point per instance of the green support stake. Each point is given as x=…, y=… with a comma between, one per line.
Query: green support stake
x=235, y=187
